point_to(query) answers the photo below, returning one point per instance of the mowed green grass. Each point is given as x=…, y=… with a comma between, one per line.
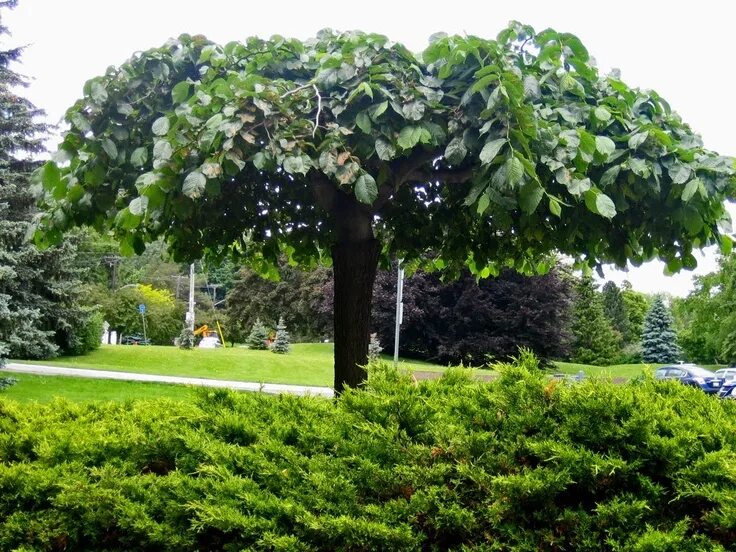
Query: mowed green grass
x=627, y=371
x=46, y=388
x=305, y=364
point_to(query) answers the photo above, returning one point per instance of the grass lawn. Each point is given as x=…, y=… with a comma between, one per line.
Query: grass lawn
x=615, y=371
x=306, y=364
x=44, y=389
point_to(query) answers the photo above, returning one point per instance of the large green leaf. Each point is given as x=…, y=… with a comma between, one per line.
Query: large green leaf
x=605, y=145
x=514, y=172
x=491, y=150
x=110, y=148
x=194, y=184
x=366, y=190
x=530, y=194
x=139, y=157
x=385, y=150
x=180, y=93
x=138, y=205
x=605, y=206
x=160, y=126
x=409, y=136
x=455, y=151
x=690, y=188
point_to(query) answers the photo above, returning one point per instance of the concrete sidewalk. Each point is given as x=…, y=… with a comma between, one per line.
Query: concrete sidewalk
x=271, y=388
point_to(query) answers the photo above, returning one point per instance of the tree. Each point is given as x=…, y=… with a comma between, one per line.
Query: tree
x=594, y=339
x=298, y=296
x=258, y=336
x=281, y=342
x=40, y=315
x=615, y=310
x=120, y=308
x=658, y=339
x=636, y=306
x=471, y=321
x=350, y=149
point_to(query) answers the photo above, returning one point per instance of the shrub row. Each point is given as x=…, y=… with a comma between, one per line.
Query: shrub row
x=519, y=464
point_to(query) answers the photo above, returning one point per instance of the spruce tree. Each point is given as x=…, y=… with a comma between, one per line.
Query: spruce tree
x=658, y=338
x=594, y=338
x=281, y=343
x=40, y=314
x=374, y=348
x=258, y=336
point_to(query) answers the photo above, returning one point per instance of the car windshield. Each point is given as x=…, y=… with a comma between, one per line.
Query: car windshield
x=701, y=372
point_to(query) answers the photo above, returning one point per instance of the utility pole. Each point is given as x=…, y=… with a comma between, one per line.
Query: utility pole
x=112, y=261
x=399, y=311
x=190, y=312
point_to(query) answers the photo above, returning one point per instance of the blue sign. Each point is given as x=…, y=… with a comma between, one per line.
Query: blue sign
x=142, y=308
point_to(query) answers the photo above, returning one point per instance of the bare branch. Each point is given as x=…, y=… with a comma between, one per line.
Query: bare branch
x=295, y=90
x=319, y=110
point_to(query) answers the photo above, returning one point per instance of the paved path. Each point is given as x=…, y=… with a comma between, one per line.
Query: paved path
x=272, y=388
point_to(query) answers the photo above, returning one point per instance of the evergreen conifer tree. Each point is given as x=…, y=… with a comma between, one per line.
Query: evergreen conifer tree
x=281, y=343
x=258, y=336
x=40, y=314
x=374, y=347
x=658, y=338
x=594, y=338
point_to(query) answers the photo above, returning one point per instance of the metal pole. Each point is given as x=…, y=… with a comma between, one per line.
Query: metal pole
x=399, y=311
x=143, y=318
x=190, y=314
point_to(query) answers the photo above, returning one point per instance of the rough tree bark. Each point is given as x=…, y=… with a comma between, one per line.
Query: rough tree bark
x=355, y=261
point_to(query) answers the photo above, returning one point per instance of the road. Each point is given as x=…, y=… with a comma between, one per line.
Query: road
x=271, y=388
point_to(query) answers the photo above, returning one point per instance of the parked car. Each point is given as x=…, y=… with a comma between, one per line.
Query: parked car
x=134, y=340
x=728, y=375
x=690, y=374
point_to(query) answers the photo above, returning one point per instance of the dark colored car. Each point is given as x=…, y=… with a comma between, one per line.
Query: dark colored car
x=690, y=374
x=134, y=340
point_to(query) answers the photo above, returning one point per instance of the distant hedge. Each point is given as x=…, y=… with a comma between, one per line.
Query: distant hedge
x=520, y=464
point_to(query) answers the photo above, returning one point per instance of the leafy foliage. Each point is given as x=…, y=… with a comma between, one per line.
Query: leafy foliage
x=6, y=382
x=658, y=339
x=488, y=153
x=520, y=464
x=258, y=336
x=706, y=319
x=281, y=341
x=636, y=305
x=298, y=296
x=614, y=308
x=120, y=309
x=594, y=339
x=469, y=321
x=185, y=133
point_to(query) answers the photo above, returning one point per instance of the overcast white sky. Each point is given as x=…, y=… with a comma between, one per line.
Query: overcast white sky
x=681, y=49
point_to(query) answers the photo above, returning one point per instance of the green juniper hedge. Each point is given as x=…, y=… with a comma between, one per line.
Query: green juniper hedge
x=519, y=464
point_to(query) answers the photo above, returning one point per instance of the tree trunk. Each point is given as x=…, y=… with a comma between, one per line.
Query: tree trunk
x=354, y=270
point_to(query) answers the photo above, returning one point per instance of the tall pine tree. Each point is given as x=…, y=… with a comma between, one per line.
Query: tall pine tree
x=594, y=338
x=39, y=312
x=658, y=339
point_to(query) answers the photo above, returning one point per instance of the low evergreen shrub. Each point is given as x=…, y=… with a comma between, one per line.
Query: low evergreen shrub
x=522, y=464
